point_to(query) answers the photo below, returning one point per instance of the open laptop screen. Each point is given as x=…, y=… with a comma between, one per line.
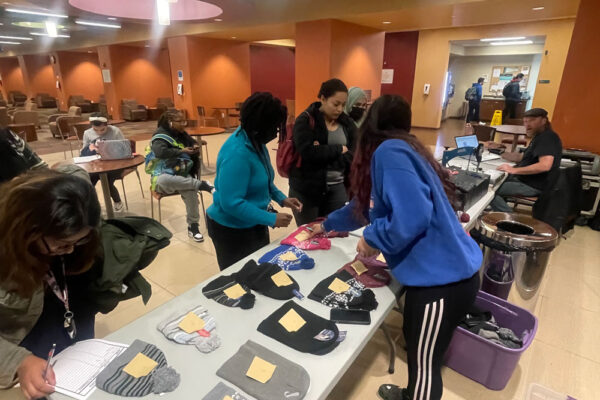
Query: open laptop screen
x=466, y=141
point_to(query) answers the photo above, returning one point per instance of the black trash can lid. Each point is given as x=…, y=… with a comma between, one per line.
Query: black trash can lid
x=517, y=230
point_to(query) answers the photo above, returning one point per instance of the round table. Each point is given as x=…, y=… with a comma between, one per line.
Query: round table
x=515, y=130
x=204, y=131
x=103, y=167
x=25, y=131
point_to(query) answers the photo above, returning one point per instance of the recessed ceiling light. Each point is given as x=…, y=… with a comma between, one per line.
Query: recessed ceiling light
x=19, y=11
x=499, y=39
x=387, y=22
x=147, y=45
x=51, y=28
x=163, y=10
x=234, y=37
x=510, y=43
x=4, y=42
x=100, y=24
x=89, y=51
x=45, y=34
x=537, y=8
x=218, y=20
x=112, y=18
x=16, y=37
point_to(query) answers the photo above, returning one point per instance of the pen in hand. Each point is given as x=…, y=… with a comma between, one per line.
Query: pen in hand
x=50, y=356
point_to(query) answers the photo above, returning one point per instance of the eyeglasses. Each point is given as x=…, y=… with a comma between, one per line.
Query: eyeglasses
x=63, y=244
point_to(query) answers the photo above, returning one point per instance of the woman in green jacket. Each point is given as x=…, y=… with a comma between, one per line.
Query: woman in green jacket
x=49, y=223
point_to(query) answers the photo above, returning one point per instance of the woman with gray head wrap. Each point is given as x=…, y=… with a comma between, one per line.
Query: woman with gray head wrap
x=356, y=106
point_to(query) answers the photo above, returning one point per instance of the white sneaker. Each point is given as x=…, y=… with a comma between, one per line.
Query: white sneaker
x=118, y=206
x=194, y=233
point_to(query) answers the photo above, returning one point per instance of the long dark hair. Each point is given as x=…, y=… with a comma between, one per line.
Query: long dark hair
x=388, y=118
x=39, y=204
x=261, y=117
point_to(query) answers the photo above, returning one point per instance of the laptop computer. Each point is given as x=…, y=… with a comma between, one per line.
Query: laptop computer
x=471, y=141
x=114, y=149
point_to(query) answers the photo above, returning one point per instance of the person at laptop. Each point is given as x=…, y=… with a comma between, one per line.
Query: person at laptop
x=101, y=130
x=529, y=177
x=173, y=162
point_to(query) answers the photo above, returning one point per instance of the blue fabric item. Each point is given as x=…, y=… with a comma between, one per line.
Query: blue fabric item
x=412, y=221
x=479, y=89
x=273, y=257
x=244, y=185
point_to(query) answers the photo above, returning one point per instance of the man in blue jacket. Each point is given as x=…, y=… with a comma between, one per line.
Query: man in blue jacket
x=473, y=96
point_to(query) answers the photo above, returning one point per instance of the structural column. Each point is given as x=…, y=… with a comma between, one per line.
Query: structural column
x=181, y=74
x=110, y=93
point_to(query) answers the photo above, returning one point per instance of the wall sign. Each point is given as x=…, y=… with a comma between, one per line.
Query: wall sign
x=179, y=75
x=544, y=81
x=106, y=76
x=387, y=76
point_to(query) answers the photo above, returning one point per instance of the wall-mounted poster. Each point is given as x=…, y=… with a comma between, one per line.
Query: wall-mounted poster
x=106, y=76
x=387, y=76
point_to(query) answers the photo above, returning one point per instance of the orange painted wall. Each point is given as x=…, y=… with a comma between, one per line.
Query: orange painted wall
x=81, y=74
x=220, y=72
x=313, y=61
x=12, y=76
x=140, y=73
x=41, y=76
x=578, y=103
x=357, y=56
x=434, y=50
x=334, y=49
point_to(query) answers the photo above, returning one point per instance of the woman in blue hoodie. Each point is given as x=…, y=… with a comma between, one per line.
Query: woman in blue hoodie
x=402, y=194
x=241, y=213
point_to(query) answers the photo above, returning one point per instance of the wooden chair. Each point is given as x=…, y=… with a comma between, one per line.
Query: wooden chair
x=128, y=171
x=484, y=133
x=204, y=118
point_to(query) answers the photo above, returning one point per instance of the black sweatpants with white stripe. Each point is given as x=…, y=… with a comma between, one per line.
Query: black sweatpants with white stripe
x=431, y=314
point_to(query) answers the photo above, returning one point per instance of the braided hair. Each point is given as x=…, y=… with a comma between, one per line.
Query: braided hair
x=262, y=116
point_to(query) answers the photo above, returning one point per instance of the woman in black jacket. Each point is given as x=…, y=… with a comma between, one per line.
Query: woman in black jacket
x=324, y=138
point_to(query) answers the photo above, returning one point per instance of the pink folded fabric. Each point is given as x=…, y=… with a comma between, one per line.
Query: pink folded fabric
x=372, y=273
x=302, y=240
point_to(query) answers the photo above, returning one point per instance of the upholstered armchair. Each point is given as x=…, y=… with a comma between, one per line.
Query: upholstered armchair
x=73, y=112
x=44, y=100
x=164, y=103
x=79, y=101
x=132, y=111
x=17, y=98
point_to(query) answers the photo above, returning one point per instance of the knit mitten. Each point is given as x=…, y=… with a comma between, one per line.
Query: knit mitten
x=356, y=297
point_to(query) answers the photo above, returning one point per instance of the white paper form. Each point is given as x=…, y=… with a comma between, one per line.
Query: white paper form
x=77, y=366
x=85, y=159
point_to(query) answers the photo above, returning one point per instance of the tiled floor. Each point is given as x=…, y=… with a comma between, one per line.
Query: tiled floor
x=564, y=356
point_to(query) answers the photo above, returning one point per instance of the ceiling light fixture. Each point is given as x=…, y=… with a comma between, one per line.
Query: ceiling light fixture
x=218, y=20
x=15, y=37
x=45, y=34
x=112, y=18
x=164, y=12
x=43, y=14
x=537, y=8
x=100, y=24
x=511, y=43
x=387, y=22
x=4, y=42
x=51, y=28
x=499, y=39
x=234, y=37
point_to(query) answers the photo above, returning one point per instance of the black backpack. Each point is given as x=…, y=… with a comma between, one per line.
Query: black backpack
x=471, y=94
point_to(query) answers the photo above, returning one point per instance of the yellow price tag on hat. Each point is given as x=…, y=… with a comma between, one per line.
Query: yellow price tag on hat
x=282, y=279
x=140, y=365
x=292, y=321
x=302, y=236
x=260, y=370
x=191, y=323
x=381, y=258
x=339, y=286
x=288, y=256
x=227, y=398
x=235, y=292
x=359, y=267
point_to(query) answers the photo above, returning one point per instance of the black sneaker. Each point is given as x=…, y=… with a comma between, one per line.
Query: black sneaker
x=392, y=392
x=194, y=233
x=206, y=186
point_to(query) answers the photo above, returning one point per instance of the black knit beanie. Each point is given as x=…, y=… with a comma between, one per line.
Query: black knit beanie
x=216, y=290
x=259, y=278
x=357, y=297
x=317, y=336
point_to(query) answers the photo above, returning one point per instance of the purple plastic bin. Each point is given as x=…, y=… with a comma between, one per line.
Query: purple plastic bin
x=496, y=288
x=486, y=362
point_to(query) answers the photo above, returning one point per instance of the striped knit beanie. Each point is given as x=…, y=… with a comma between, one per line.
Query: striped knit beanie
x=161, y=379
x=205, y=340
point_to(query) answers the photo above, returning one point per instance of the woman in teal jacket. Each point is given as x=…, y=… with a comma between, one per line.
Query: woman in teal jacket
x=241, y=213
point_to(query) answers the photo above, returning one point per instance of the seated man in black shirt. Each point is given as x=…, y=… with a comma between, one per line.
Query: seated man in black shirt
x=530, y=175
